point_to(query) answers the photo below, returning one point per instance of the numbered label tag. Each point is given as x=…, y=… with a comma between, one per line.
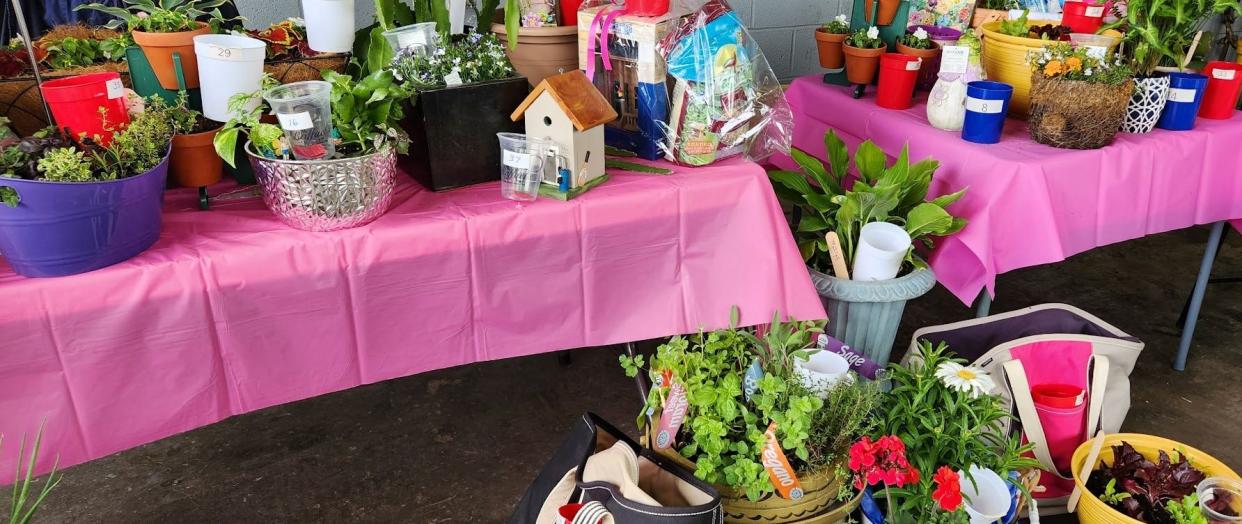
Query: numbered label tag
x=1181, y=95
x=979, y=105
x=116, y=89
x=954, y=59
x=1095, y=11
x=516, y=160
x=295, y=121
x=453, y=79
x=915, y=65
x=224, y=53
x=1223, y=74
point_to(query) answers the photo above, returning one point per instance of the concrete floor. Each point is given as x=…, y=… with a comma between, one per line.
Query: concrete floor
x=461, y=445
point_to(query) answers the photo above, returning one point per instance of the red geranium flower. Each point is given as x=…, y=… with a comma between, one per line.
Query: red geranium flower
x=948, y=493
x=881, y=461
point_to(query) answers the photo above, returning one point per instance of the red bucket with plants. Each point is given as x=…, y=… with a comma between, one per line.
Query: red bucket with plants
x=1224, y=85
x=898, y=74
x=1083, y=17
x=93, y=104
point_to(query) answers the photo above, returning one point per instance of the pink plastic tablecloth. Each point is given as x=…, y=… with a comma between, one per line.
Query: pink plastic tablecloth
x=1031, y=204
x=231, y=311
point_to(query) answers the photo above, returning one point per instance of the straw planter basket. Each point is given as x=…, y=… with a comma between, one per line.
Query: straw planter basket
x=21, y=101
x=1092, y=510
x=292, y=70
x=1073, y=114
x=1004, y=59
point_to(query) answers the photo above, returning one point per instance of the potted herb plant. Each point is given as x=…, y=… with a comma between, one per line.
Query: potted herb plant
x=862, y=55
x=992, y=10
x=1078, y=100
x=193, y=161
x=1157, y=33
x=166, y=28
x=918, y=43
x=937, y=439
x=829, y=39
x=451, y=133
x=72, y=206
x=744, y=405
x=865, y=315
x=354, y=139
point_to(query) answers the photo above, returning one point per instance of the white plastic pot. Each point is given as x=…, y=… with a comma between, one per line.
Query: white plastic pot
x=881, y=249
x=822, y=371
x=227, y=65
x=329, y=25
x=987, y=498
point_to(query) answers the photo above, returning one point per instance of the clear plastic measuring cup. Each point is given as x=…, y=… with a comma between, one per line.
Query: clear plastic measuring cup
x=305, y=113
x=422, y=37
x=521, y=165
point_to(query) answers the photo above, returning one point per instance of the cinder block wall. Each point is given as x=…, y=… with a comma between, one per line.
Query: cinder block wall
x=782, y=27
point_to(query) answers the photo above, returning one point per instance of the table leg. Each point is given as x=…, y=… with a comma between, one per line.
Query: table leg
x=1181, y=319
x=641, y=378
x=983, y=304
x=1196, y=296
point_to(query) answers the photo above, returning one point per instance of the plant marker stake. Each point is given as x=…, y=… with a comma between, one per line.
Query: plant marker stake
x=1096, y=444
x=1194, y=44
x=839, y=268
x=34, y=63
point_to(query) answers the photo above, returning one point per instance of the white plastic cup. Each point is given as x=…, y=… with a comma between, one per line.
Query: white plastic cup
x=1213, y=488
x=227, y=65
x=521, y=165
x=422, y=38
x=822, y=371
x=881, y=249
x=329, y=25
x=304, y=110
x=987, y=498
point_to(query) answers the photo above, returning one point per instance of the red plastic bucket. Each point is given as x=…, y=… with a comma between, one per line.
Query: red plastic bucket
x=1224, y=85
x=1082, y=17
x=569, y=11
x=76, y=101
x=646, y=7
x=898, y=74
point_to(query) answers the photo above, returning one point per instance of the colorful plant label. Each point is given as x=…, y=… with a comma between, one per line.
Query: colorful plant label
x=674, y=414
x=860, y=364
x=779, y=470
x=750, y=381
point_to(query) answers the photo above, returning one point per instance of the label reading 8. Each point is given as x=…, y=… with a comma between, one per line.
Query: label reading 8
x=116, y=89
x=1095, y=11
x=295, y=121
x=979, y=105
x=516, y=160
x=1181, y=95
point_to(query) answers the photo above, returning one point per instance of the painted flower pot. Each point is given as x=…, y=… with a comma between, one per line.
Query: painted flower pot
x=66, y=228
x=1146, y=104
x=194, y=162
x=861, y=64
x=831, y=55
x=327, y=195
x=160, y=48
x=866, y=315
x=886, y=13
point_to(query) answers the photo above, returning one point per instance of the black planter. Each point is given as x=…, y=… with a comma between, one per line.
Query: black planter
x=453, y=132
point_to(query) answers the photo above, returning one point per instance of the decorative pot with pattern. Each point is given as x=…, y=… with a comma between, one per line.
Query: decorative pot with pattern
x=327, y=195
x=1146, y=103
x=865, y=315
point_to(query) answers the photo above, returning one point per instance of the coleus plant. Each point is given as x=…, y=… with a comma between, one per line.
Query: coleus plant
x=1150, y=485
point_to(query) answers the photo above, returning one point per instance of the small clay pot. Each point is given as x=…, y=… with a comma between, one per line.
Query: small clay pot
x=542, y=51
x=931, y=63
x=194, y=162
x=830, y=55
x=862, y=64
x=888, y=11
x=159, y=48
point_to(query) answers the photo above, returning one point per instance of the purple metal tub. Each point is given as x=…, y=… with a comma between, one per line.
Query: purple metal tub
x=65, y=228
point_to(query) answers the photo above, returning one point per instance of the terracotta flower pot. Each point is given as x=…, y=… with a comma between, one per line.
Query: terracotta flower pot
x=194, y=162
x=888, y=11
x=983, y=16
x=931, y=63
x=830, y=55
x=861, y=64
x=542, y=51
x=159, y=48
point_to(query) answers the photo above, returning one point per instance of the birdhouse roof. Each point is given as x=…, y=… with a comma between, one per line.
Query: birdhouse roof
x=577, y=97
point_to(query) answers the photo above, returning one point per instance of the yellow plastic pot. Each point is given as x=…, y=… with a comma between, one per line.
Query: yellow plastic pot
x=1092, y=510
x=1004, y=59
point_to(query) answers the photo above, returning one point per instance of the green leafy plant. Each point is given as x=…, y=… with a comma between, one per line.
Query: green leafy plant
x=248, y=109
x=1159, y=32
x=21, y=508
x=72, y=52
x=865, y=38
x=512, y=17
x=848, y=412
x=1186, y=510
x=881, y=193
x=366, y=113
x=840, y=25
x=65, y=164
x=143, y=144
x=1111, y=495
x=1017, y=26
x=166, y=16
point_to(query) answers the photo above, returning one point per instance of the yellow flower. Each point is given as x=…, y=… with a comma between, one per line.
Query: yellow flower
x=1053, y=68
x=1073, y=63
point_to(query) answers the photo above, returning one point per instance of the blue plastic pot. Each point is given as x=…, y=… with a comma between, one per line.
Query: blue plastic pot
x=1182, y=107
x=873, y=512
x=66, y=228
x=987, y=102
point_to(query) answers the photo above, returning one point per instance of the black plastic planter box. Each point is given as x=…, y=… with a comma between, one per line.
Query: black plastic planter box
x=453, y=132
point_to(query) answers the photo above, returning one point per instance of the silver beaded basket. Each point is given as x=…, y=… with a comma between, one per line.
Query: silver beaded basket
x=327, y=195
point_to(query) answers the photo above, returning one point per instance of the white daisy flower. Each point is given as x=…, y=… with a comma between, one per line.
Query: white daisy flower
x=1087, y=71
x=920, y=33
x=874, y=32
x=841, y=18
x=966, y=379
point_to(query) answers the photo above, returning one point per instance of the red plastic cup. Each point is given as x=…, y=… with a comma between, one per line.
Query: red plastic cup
x=898, y=74
x=1058, y=395
x=569, y=11
x=1224, y=85
x=646, y=7
x=76, y=102
x=1082, y=17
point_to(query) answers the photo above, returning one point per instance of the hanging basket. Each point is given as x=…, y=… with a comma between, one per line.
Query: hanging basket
x=22, y=103
x=1146, y=104
x=288, y=71
x=1074, y=114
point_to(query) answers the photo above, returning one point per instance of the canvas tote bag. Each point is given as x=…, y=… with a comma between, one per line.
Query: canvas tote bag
x=1051, y=333
x=604, y=469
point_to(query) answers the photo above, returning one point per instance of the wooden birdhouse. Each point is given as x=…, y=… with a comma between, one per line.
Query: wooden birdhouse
x=567, y=110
